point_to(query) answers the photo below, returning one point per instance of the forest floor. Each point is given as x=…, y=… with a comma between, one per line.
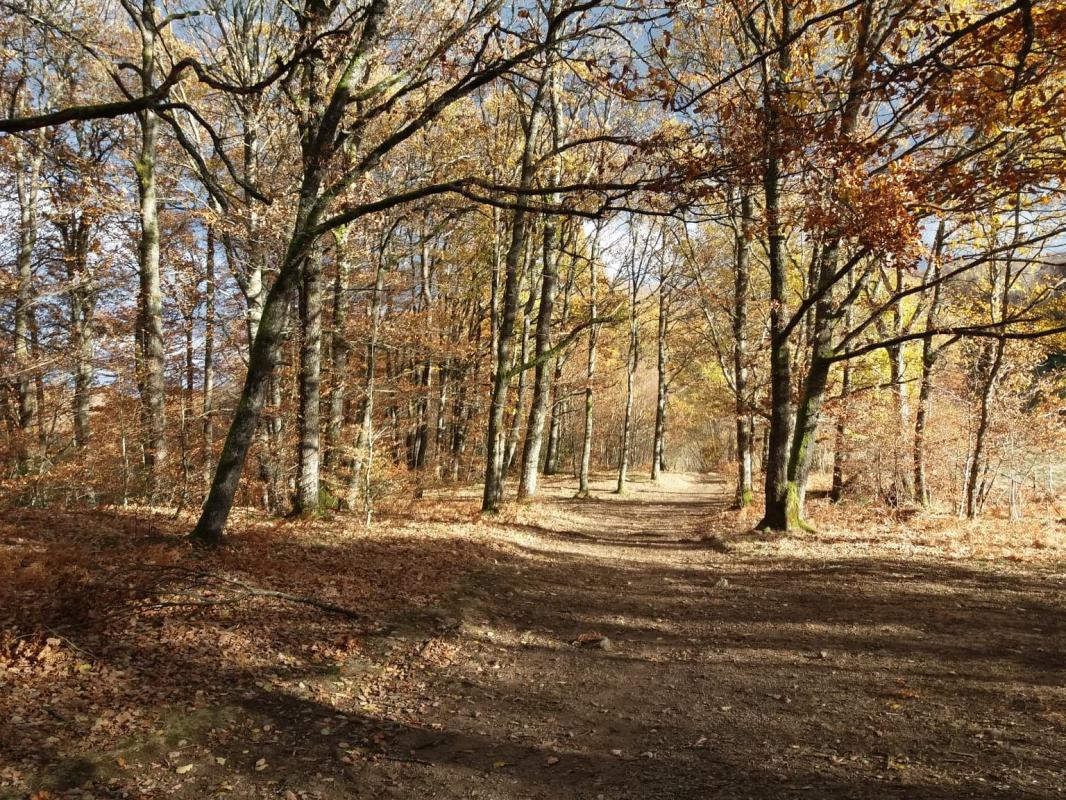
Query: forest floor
x=888, y=659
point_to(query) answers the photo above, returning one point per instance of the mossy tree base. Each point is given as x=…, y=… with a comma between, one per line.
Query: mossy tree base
x=786, y=516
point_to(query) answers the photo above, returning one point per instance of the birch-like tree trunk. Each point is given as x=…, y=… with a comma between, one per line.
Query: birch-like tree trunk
x=309, y=432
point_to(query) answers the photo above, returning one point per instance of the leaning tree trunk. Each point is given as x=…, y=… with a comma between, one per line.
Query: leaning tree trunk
x=309, y=435
x=812, y=397
x=264, y=357
x=320, y=129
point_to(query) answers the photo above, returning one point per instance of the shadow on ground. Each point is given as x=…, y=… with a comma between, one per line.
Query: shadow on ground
x=824, y=674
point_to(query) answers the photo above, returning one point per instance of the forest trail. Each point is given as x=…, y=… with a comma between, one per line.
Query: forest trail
x=832, y=665
x=731, y=674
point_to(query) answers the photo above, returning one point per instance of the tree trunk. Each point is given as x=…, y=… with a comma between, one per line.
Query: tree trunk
x=307, y=483
x=921, y=421
x=359, y=478
x=209, y=356
x=741, y=288
x=538, y=407
x=28, y=186
x=971, y=504
x=515, y=429
x=590, y=373
x=150, y=328
x=840, y=432
x=631, y=368
x=775, y=516
x=495, y=445
x=264, y=357
x=660, y=395
x=925, y=388
x=338, y=350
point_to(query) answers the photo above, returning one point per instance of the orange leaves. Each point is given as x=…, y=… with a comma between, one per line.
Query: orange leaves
x=875, y=211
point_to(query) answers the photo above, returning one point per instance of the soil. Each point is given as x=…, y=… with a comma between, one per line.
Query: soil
x=643, y=646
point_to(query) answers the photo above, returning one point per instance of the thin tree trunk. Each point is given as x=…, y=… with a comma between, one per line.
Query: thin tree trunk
x=972, y=497
x=840, y=436
x=309, y=434
x=660, y=395
x=338, y=350
x=209, y=356
x=557, y=405
x=515, y=429
x=925, y=388
x=971, y=504
x=359, y=479
x=28, y=186
x=741, y=288
x=631, y=368
x=590, y=374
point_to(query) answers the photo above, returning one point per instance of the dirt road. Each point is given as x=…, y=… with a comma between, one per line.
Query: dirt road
x=832, y=671
x=622, y=647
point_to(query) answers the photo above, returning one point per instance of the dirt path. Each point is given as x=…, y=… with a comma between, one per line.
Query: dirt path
x=840, y=665
x=735, y=674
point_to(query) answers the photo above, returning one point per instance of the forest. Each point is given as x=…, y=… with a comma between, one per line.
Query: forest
x=532, y=398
